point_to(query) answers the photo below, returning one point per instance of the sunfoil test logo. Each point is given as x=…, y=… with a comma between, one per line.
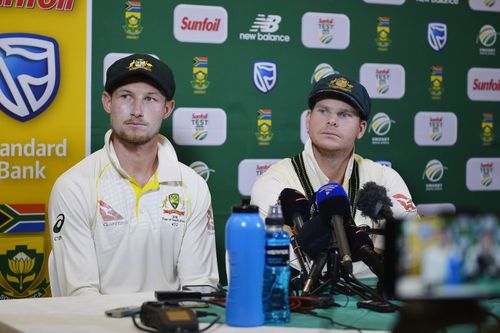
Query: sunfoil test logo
x=29, y=74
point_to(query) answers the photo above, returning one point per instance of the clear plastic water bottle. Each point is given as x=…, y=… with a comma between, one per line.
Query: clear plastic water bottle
x=245, y=245
x=277, y=271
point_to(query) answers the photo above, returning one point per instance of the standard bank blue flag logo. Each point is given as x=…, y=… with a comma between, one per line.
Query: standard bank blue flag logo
x=437, y=35
x=265, y=75
x=29, y=74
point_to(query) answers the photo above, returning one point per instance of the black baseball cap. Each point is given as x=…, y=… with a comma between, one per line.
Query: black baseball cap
x=141, y=65
x=344, y=88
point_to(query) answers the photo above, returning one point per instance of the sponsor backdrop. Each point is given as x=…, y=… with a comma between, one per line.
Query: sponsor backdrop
x=243, y=73
x=42, y=120
x=244, y=69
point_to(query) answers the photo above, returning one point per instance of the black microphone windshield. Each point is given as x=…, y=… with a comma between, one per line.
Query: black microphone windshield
x=372, y=199
x=314, y=237
x=293, y=203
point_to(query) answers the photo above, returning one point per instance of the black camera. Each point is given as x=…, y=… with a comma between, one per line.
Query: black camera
x=168, y=318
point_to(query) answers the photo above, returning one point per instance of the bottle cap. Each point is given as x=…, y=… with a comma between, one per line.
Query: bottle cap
x=245, y=206
x=275, y=216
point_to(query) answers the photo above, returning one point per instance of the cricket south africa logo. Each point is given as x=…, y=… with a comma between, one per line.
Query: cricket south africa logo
x=29, y=74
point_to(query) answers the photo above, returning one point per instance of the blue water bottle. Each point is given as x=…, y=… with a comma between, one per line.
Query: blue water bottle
x=245, y=243
x=276, y=270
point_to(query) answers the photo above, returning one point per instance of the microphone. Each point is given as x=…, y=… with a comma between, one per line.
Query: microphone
x=362, y=249
x=334, y=207
x=315, y=271
x=373, y=202
x=294, y=206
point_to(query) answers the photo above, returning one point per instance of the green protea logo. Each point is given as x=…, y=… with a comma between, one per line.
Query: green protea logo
x=19, y=269
x=202, y=169
x=487, y=35
x=321, y=71
x=381, y=124
x=434, y=171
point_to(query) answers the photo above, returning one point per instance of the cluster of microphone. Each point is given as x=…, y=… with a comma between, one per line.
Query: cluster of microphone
x=326, y=223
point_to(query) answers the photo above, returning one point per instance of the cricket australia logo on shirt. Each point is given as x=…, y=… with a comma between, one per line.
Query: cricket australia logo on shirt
x=173, y=209
x=29, y=74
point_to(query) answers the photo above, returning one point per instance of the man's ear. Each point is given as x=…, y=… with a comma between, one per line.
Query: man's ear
x=363, y=124
x=169, y=107
x=308, y=117
x=106, y=101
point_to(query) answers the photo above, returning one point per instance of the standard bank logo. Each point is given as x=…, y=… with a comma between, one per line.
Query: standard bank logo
x=265, y=75
x=29, y=74
x=437, y=35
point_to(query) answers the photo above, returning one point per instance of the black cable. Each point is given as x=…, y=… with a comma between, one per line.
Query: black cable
x=142, y=328
x=332, y=322
x=204, y=314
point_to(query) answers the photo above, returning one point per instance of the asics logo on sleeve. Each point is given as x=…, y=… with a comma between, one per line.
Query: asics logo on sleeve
x=59, y=223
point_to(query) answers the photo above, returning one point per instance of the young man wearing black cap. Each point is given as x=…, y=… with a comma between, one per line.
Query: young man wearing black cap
x=338, y=115
x=130, y=217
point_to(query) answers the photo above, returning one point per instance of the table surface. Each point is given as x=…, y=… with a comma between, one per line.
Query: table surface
x=85, y=314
